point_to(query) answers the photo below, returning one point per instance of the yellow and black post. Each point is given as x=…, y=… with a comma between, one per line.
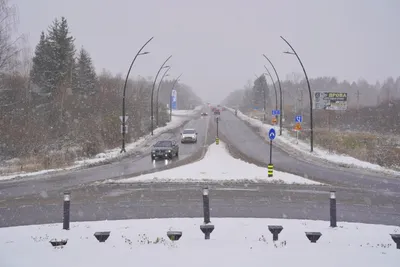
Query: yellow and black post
x=270, y=170
x=271, y=135
x=217, y=140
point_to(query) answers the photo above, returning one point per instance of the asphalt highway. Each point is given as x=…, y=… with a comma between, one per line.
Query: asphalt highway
x=162, y=200
x=361, y=198
x=256, y=148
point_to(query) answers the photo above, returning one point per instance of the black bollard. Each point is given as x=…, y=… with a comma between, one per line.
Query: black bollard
x=206, y=205
x=333, y=209
x=67, y=202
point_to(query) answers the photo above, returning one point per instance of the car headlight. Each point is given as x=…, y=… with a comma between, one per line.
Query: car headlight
x=169, y=151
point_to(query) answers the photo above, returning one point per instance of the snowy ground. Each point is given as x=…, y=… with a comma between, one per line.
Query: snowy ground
x=183, y=112
x=234, y=242
x=290, y=144
x=218, y=165
x=115, y=153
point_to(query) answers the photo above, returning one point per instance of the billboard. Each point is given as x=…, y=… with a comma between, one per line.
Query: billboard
x=330, y=101
x=174, y=96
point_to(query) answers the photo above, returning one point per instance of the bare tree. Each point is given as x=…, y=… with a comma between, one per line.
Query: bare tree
x=9, y=45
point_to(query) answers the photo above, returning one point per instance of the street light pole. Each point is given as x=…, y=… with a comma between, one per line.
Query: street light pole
x=170, y=97
x=158, y=91
x=139, y=53
x=276, y=93
x=281, y=96
x=152, y=92
x=309, y=91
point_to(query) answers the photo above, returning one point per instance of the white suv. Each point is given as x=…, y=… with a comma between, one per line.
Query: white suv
x=189, y=136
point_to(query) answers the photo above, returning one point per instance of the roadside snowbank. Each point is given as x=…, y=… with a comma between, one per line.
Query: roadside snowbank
x=218, y=165
x=234, y=242
x=184, y=112
x=291, y=145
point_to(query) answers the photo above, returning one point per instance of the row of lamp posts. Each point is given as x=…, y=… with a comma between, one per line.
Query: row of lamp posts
x=207, y=228
x=124, y=117
x=281, y=95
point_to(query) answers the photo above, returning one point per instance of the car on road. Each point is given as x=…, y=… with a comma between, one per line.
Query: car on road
x=165, y=149
x=204, y=114
x=189, y=136
x=217, y=112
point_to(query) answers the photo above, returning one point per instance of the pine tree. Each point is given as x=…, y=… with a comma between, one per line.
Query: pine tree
x=63, y=51
x=41, y=69
x=260, y=84
x=85, y=79
x=53, y=63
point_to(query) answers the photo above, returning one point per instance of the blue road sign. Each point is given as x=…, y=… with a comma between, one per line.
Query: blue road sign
x=276, y=112
x=298, y=118
x=271, y=134
x=174, y=97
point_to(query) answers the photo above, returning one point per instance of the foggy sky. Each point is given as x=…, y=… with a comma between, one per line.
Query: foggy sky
x=217, y=44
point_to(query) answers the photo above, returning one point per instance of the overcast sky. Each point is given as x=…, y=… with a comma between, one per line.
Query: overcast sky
x=217, y=44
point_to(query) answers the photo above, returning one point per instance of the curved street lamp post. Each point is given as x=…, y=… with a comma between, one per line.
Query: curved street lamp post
x=309, y=91
x=281, y=96
x=152, y=92
x=273, y=83
x=170, y=97
x=139, y=53
x=158, y=91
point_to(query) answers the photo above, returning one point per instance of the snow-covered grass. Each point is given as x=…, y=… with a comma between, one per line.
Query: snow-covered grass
x=108, y=155
x=292, y=145
x=234, y=242
x=218, y=165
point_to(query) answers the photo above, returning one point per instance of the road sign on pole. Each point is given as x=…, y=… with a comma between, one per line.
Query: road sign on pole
x=122, y=118
x=274, y=120
x=174, y=97
x=297, y=127
x=298, y=118
x=272, y=134
x=276, y=112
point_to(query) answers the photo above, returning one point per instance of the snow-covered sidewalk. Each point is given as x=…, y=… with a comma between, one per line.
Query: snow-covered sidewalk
x=218, y=165
x=234, y=242
x=115, y=153
x=291, y=145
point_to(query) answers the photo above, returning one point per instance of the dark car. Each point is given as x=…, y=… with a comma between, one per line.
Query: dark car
x=217, y=112
x=165, y=149
x=204, y=114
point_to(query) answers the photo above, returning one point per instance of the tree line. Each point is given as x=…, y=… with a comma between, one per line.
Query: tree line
x=55, y=107
x=371, y=107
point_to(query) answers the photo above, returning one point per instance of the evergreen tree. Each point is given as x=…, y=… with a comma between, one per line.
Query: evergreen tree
x=260, y=84
x=85, y=76
x=53, y=63
x=62, y=53
x=41, y=69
